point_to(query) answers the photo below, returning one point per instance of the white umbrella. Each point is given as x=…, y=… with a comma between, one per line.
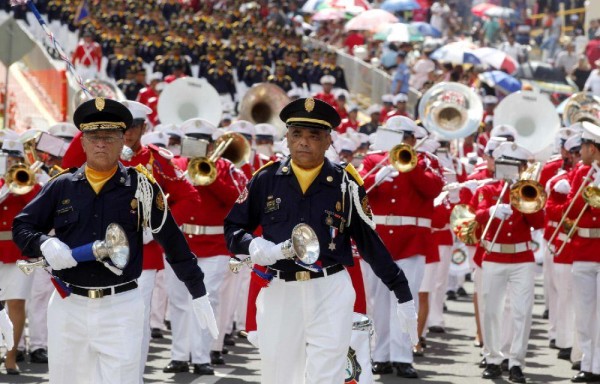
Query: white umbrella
x=501, y=12
x=370, y=20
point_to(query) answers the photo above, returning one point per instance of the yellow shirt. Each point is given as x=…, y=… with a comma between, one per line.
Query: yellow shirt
x=97, y=179
x=305, y=177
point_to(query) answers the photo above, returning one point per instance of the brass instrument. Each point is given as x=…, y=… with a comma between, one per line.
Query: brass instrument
x=580, y=107
x=463, y=224
x=262, y=104
x=97, y=88
x=232, y=146
x=20, y=178
x=188, y=98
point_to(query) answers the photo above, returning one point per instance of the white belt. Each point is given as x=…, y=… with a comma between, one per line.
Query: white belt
x=402, y=220
x=506, y=248
x=5, y=235
x=563, y=237
x=553, y=224
x=191, y=229
x=589, y=233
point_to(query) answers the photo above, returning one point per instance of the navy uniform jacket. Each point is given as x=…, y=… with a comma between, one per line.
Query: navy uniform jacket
x=273, y=199
x=79, y=216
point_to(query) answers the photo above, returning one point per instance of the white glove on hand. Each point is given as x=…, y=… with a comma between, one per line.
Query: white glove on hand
x=147, y=235
x=454, y=195
x=562, y=187
x=471, y=185
x=57, y=254
x=205, y=315
x=386, y=174
x=408, y=320
x=264, y=252
x=503, y=212
x=6, y=328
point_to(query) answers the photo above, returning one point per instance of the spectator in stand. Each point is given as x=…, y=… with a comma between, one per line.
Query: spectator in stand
x=581, y=72
x=513, y=49
x=552, y=30
x=440, y=12
x=566, y=60
x=592, y=84
x=422, y=68
x=491, y=30
x=400, y=81
x=592, y=50
x=374, y=111
x=353, y=39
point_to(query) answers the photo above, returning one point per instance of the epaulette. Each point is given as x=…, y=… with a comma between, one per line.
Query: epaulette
x=162, y=152
x=141, y=169
x=354, y=173
x=68, y=170
x=263, y=167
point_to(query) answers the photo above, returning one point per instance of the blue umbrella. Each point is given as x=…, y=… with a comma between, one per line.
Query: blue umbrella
x=459, y=52
x=400, y=5
x=501, y=80
x=426, y=29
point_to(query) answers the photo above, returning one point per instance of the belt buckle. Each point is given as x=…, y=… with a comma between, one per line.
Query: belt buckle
x=95, y=293
x=507, y=248
x=302, y=276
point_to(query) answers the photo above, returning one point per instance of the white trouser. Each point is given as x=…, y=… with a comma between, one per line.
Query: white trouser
x=95, y=341
x=550, y=292
x=37, y=309
x=565, y=314
x=242, y=302
x=146, y=285
x=438, y=295
x=371, y=285
x=518, y=280
x=228, y=295
x=158, y=307
x=304, y=329
x=188, y=337
x=586, y=292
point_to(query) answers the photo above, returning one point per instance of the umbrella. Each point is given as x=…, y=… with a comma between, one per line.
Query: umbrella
x=496, y=59
x=426, y=29
x=400, y=5
x=501, y=12
x=479, y=9
x=459, y=52
x=370, y=20
x=501, y=80
x=398, y=32
x=328, y=14
x=350, y=5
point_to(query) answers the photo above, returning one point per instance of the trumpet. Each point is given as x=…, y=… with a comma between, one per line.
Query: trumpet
x=232, y=146
x=21, y=179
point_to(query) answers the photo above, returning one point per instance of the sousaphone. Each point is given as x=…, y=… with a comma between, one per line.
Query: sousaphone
x=580, y=107
x=98, y=88
x=188, y=98
x=262, y=104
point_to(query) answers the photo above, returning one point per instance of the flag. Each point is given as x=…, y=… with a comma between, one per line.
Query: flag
x=82, y=11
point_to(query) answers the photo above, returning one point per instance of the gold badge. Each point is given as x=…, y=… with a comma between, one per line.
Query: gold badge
x=338, y=206
x=65, y=201
x=100, y=103
x=160, y=203
x=309, y=104
x=366, y=207
x=134, y=204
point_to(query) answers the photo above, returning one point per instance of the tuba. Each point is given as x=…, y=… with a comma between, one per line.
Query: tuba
x=98, y=88
x=534, y=117
x=188, y=98
x=451, y=110
x=262, y=104
x=581, y=107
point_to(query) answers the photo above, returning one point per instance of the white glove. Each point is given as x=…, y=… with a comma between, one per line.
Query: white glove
x=596, y=175
x=563, y=187
x=6, y=328
x=386, y=174
x=205, y=315
x=454, y=195
x=503, y=212
x=147, y=235
x=471, y=185
x=4, y=191
x=57, y=254
x=41, y=177
x=264, y=252
x=408, y=320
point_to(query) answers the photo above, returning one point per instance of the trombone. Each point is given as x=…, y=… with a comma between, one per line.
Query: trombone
x=232, y=146
x=21, y=179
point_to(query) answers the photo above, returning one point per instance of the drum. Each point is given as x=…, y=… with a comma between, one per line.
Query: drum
x=358, y=361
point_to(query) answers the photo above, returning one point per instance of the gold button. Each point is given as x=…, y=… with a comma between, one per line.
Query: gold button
x=285, y=169
x=330, y=178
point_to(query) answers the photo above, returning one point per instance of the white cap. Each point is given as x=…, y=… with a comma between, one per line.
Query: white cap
x=345, y=144
x=157, y=138
x=591, y=132
x=400, y=98
x=265, y=129
x=327, y=79
x=199, y=127
x=387, y=98
x=169, y=128
x=66, y=130
x=488, y=119
x=420, y=132
x=375, y=108
x=342, y=92
x=294, y=92
x=429, y=145
x=13, y=144
x=158, y=76
x=242, y=126
x=353, y=108
x=565, y=133
x=8, y=134
x=362, y=138
x=490, y=99
x=392, y=132
x=513, y=151
x=573, y=142
x=493, y=143
x=401, y=124
x=138, y=110
x=504, y=130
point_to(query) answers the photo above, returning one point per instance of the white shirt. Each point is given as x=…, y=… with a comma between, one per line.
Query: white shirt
x=593, y=83
x=438, y=14
x=566, y=61
x=515, y=50
x=421, y=71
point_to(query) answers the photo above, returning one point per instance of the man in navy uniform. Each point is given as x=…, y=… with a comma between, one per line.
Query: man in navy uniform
x=304, y=317
x=95, y=333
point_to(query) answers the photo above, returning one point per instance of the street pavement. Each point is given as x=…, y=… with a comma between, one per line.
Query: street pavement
x=449, y=357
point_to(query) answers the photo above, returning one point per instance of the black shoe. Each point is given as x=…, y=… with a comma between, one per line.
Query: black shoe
x=445, y=308
x=468, y=277
x=585, y=377
x=176, y=366
x=504, y=365
x=516, y=375
x=406, y=370
x=423, y=342
x=20, y=356
x=216, y=358
x=546, y=315
x=437, y=329
x=382, y=368
x=156, y=333
x=451, y=295
x=39, y=356
x=461, y=292
x=565, y=354
x=168, y=324
x=492, y=371
x=224, y=351
x=576, y=366
x=13, y=371
x=203, y=369
x=228, y=340
x=483, y=363
x=552, y=344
